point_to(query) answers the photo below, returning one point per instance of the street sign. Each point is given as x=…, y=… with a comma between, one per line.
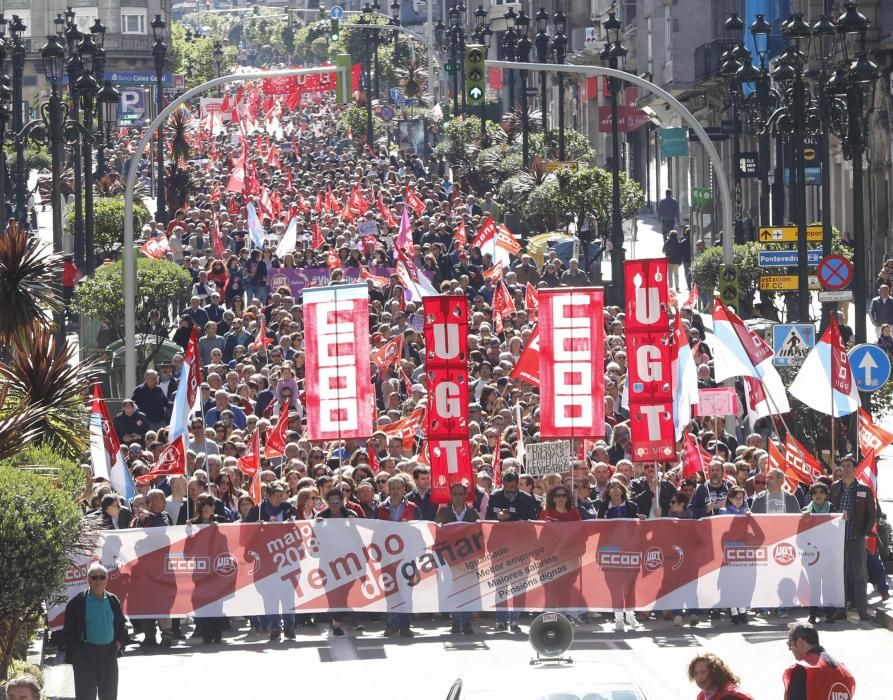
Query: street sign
x=701, y=197
x=553, y=166
x=788, y=234
x=337, y=12
x=832, y=297
x=475, y=93
x=792, y=343
x=129, y=77
x=870, y=365
x=386, y=113
x=835, y=272
x=450, y=67
x=785, y=283
x=787, y=258
x=133, y=107
x=673, y=143
x=748, y=164
x=714, y=133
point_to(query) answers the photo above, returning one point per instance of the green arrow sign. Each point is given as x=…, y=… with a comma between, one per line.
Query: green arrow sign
x=475, y=93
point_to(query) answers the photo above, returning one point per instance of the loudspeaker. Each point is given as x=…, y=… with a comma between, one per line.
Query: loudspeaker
x=551, y=634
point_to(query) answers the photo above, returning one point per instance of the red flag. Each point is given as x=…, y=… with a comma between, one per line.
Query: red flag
x=317, y=207
x=276, y=436
x=485, y=234
x=503, y=305
x=389, y=353
x=800, y=465
x=497, y=462
x=232, y=207
x=216, y=238
x=191, y=358
x=331, y=202
x=405, y=428
x=776, y=458
x=225, y=106
x=254, y=490
x=866, y=472
x=506, y=239
x=171, y=460
x=531, y=300
x=333, y=262
x=261, y=340
x=386, y=214
x=373, y=457
x=872, y=438
x=460, y=236
x=692, y=300
x=156, y=248
x=694, y=457
x=377, y=280
x=249, y=463
x=215, y=192
x=411, y=199
x=317, y=241
x=528, y=365
x=493, y=273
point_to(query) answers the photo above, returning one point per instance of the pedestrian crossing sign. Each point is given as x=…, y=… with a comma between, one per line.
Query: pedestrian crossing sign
x=792, y=343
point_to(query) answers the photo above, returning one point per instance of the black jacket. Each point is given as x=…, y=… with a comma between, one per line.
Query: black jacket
x=601, y=508
x=643, y=495
x=523, y=507
x=74, y=633
x=289, y=512
x=427, y=509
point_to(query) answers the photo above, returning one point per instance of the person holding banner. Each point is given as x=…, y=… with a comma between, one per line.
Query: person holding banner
x=458, y=511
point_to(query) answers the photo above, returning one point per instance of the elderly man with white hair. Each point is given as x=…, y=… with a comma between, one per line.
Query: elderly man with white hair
x=95, y=632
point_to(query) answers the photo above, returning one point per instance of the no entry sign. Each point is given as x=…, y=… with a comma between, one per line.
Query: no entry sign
x=835, y=272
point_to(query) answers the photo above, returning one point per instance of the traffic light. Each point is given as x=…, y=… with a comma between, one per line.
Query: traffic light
x=728, y=286
x=333, y=35
x=322, y=12
x=475, y=74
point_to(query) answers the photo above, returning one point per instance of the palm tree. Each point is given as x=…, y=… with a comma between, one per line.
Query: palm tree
x=178, y=182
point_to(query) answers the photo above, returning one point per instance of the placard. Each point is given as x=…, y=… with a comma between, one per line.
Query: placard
x=548, y=457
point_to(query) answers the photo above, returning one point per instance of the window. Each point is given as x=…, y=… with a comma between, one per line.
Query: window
x=85, y=18
x=133, y=20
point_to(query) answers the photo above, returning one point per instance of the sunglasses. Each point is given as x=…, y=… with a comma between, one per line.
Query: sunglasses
x=759, y=481
x=381, y=481
x=560, y=495
x=97, y=577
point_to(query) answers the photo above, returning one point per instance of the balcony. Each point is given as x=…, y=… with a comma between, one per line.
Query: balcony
x=127, y=43
x=707, y=62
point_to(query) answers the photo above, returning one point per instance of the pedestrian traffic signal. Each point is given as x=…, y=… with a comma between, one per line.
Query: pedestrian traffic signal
x=475, y=73
x=333, y=35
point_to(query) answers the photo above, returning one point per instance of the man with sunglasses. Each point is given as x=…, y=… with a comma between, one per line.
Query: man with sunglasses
x=95, y=632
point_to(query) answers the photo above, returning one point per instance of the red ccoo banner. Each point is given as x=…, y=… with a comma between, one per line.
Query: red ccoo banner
x=446, y=366
x=648, y=356
x=572, y=388
x=339, y=390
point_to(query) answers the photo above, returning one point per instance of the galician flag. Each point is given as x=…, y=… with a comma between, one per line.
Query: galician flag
x=187, y=389
x=289, y=239
x=825, y=381
x=740, y=352
x=255, y=228
x=685, y=378
x=105, y=449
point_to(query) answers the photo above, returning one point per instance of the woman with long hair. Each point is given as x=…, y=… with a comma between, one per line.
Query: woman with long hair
x=559, y=506
x=616, y=503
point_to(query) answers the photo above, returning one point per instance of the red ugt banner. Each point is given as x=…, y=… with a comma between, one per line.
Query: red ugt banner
x=649, y=360
x=339, y=389
x=446, y=365
x=572, y=360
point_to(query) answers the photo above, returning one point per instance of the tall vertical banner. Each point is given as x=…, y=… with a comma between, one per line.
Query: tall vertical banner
x=649, y=358
x=572, y=361
x=446, y=367
x=338, y=385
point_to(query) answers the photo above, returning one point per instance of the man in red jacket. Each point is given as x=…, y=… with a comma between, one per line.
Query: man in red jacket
x=816, y=674
x=398, y=509
x=715, y=679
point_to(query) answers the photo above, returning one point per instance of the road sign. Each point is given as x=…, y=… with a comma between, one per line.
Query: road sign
x=748, y=164
x=133, y=109
x=870, y=365
x=475, y=94
x=785, y=283
x=787, y=258
x=553, y=166
x=792, y=343
x=832, y=297
x=337, y=12
x=386, y=113
x=835, y=272
x=728, y=286
x=788, y=234
x=673, y=143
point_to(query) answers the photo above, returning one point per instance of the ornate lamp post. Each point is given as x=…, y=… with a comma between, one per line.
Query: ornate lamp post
x=542, y=41
x=522, y=55
x=559, y=51
x=218, y=61
x=74, y=67
x=159, y=54
x=17, y=30
x=509, y=41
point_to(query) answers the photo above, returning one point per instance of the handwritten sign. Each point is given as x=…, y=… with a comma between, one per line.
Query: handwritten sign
x=722, y=401
x=548, y=457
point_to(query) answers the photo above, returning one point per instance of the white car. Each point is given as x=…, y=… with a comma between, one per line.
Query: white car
x=549, y=681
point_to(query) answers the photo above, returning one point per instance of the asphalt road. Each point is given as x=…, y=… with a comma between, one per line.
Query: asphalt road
x=656, y=655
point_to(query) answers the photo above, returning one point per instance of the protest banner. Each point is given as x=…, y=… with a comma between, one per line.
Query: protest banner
x=722, y=401
x=375, y=566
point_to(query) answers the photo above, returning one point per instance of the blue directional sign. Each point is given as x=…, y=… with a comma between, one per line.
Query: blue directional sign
x=337, y=12
x=870, y=365
x=792, y=343
x=787, y=258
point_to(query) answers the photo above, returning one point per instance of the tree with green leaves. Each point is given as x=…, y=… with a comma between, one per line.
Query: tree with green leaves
x=108, y=223
x=194, y=57
x=162, y=290
x=586, y=193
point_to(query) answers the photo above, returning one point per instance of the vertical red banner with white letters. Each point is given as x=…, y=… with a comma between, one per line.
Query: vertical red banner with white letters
x=338, y=382
x=572, y=362
x=648, y=358
x=446, y=367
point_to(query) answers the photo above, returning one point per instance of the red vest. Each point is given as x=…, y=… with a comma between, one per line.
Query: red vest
x=826, y=679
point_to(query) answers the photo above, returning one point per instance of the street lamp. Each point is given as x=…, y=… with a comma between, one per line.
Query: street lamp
x=612, y=56
x=87, y=87
x=855, y=80
x=483, y=36
x=74, y=67
x=97, y=33
x=159, y=54
x=559, y=51
x=17, y=30
x=456, y=47
x=509, y=41
x=369, y=36
x=218, y=57
x=542, y=41
x=522, y=54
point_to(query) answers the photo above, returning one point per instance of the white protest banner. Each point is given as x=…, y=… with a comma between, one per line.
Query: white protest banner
x=548, y=457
